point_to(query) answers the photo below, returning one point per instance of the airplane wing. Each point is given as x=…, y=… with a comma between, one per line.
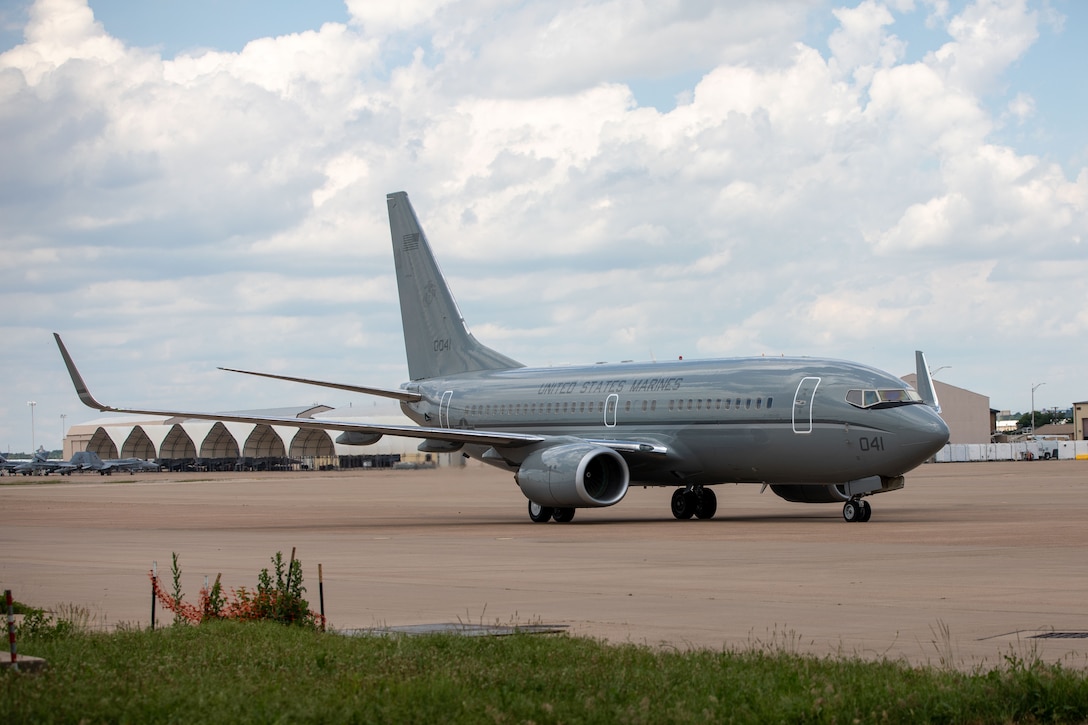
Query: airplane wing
x=408, y=431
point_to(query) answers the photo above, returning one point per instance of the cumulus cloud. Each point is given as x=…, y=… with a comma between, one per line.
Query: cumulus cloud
x=832, y=195
x=861, y=43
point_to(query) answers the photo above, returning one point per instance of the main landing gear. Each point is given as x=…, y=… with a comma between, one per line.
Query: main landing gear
x=697, y=501
x=858, y=510
x=543, y=514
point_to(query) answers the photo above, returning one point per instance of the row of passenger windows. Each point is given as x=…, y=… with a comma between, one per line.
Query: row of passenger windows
x=644, y=406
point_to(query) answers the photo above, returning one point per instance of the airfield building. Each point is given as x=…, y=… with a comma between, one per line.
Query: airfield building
x=185, y=443
x=966, y=413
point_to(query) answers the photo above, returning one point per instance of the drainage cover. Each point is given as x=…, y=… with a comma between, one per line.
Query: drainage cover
x=1060, y=635
x=467, y=630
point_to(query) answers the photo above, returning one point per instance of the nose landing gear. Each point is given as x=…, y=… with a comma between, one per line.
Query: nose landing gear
x=857, y=510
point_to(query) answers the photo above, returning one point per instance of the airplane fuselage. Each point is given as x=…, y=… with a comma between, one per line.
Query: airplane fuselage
x=717, y=421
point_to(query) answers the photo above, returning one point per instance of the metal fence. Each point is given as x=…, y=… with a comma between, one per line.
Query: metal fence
x=1020, y=451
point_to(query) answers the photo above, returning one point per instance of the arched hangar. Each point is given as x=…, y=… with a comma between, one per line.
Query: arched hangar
x=212, y=445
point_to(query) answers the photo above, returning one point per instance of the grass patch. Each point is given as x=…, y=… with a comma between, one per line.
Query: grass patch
x=225, y=671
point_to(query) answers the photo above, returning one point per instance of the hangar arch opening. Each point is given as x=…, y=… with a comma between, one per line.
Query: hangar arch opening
x=102, y=445
x=138, y=445
x=264, y=450
x=219, y=449
x=314, y=449
x=219, y=443
x=177, y=452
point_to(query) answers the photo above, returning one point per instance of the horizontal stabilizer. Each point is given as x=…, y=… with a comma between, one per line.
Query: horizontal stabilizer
x=401, y=395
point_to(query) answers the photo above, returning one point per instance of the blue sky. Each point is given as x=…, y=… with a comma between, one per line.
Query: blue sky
x=190, y=185
x=175, y=27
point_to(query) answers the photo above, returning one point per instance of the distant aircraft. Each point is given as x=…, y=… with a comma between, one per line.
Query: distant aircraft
x=90, y=461
x=813, y=430
x=40, y=464
x=6, y=465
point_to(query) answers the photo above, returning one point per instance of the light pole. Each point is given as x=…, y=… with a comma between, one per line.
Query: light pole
x=933, y=373
x=1033, y=387
x=31, y=403
x=62, y=429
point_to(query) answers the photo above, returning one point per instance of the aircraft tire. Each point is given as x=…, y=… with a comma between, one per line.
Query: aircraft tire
x=707, y=505
x=683, y=504
x=866, y=511
x=851, y=512
x=540, y=514
x=563, y=515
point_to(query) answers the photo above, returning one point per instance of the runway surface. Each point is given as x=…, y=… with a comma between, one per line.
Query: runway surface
x=964, y=566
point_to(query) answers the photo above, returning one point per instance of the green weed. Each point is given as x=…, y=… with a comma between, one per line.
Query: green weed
x=237, y=672
x=277, y=598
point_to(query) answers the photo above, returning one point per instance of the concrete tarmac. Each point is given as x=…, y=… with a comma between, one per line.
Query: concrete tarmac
x=965, y=566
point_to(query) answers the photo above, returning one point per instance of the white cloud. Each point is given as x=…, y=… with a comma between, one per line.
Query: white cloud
x=860, y=45
x=383, y=18
x=1022, y=107
x=227, y=208
x=988, y=36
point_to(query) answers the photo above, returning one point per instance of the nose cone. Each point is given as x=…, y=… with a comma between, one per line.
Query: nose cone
x=922, y=433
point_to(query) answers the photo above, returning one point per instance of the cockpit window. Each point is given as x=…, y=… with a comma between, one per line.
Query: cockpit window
x=887, y=398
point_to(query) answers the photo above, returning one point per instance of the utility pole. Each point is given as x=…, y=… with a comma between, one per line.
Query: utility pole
x=33, y=447
x=1033, y=388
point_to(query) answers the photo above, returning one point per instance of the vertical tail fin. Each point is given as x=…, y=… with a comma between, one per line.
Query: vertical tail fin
x=925, y=382
x=436, y=339
x=86, y=459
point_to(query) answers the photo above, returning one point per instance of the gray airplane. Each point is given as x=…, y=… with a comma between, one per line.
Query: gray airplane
x=42, y=465
x=90, y=461
x=813, y=430
x=6, y=465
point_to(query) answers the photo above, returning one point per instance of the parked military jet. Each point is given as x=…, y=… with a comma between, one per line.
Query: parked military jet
x=90, y=461
x=42, y=465
x=813, y=430
x=6, y=465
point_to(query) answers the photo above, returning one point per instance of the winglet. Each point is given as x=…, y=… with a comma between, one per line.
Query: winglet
x=77, y=379
x=925, y=382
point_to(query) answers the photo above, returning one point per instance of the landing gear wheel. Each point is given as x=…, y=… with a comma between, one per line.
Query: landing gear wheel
x=707, y=505
x=540, y=514
x=851, y=511
x=866, y=511
x=683, y=503
x=563, y=515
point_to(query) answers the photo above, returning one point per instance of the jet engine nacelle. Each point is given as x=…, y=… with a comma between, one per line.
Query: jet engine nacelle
x=574, y=475
x=837, y=492
x=355, y=438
